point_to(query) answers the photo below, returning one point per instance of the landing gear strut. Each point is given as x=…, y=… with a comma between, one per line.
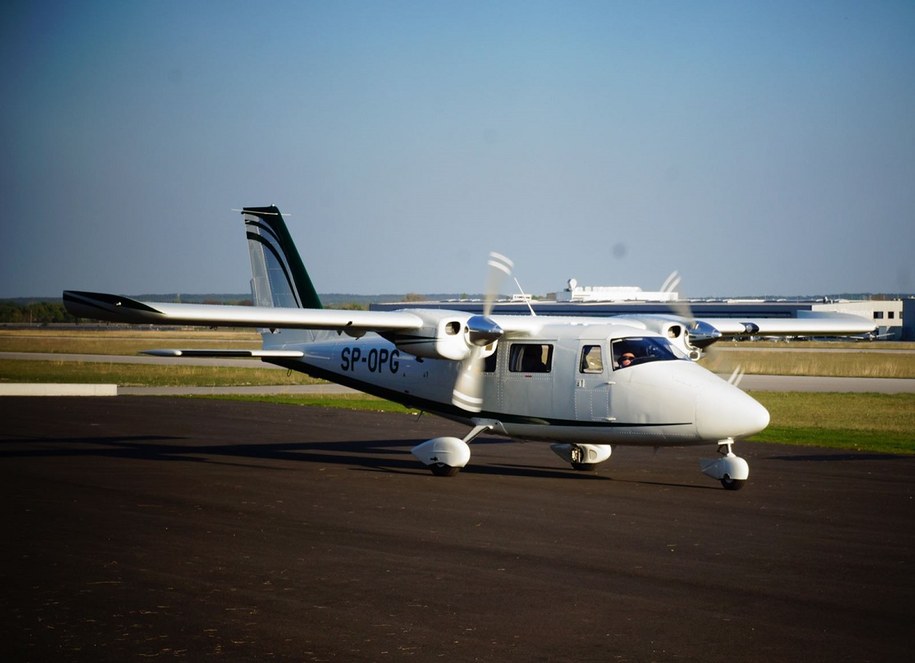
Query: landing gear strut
x=731, y=470
x=445, y=456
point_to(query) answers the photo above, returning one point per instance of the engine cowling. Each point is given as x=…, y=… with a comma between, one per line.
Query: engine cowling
x=691, y=337
x=445, y=335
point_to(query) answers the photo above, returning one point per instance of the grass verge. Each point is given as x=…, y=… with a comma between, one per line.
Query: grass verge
x=881, y=423
x=120, y=341
x=146, y=375
x=831, y=363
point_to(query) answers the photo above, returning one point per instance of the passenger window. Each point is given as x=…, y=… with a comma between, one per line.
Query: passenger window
x=591, y=361
x=531, y=358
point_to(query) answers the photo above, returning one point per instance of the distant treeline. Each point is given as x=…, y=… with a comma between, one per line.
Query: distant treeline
x=35, y=313
x=47, y=311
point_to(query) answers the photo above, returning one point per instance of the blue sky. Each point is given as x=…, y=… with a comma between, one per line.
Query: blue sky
x=757, y=147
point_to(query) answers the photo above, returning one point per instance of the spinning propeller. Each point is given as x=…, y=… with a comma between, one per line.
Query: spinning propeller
x=480, y=331
x=700, y=334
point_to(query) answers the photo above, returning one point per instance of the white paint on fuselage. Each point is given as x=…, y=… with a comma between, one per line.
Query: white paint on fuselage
x=660, y=403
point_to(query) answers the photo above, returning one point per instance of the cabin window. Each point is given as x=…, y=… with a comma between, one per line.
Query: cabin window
x=531, y=358
x=591, y=360
x=640, y=350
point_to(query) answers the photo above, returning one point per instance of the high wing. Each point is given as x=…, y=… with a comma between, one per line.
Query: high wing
x=808, y=323
x=116, y=308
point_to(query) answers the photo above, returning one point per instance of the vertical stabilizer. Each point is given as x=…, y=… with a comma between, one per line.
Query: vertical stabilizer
x=279, y=277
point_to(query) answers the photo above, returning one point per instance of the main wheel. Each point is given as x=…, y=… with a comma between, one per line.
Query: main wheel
x=732, y=484
x=584, y=467
x=442, y=470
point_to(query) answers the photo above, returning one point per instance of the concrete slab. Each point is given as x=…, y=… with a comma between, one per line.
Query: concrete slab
x=57, y=389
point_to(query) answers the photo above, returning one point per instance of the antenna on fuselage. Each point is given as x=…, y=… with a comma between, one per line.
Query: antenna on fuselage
x=525, y=297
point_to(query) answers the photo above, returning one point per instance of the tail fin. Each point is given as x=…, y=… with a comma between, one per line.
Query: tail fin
x=279, y=277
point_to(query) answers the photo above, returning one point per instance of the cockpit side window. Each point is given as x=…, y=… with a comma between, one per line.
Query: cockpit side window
x=591, y=360
x=639, y=350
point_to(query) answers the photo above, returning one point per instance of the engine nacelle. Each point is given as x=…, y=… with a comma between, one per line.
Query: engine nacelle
x=672, y=329
x=690, y=337
x=443, y=335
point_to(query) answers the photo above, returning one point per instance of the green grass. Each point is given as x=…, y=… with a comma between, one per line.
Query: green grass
x=122, y=341
x=146, y=375
x=837, y=363
x=883, y=423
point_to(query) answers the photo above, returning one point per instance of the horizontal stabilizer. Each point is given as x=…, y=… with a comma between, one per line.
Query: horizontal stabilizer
x=235, y=354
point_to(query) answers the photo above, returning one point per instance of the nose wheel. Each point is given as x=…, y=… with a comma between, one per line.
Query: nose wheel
x=731, y=470
x=732, y=484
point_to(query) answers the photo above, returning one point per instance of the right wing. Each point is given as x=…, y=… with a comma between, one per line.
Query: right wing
x=807, y=323
x=115, y=308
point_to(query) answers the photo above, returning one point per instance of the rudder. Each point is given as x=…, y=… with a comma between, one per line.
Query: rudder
x=279, y=277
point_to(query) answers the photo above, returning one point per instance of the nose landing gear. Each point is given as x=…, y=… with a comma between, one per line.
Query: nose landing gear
x=731, y=470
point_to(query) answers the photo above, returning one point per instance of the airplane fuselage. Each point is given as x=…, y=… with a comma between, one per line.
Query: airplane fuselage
x=554, y=386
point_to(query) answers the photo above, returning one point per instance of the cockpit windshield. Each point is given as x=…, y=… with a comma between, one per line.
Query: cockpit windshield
x=643, y=349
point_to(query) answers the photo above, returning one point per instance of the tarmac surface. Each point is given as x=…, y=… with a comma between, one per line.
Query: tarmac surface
x=162, y=528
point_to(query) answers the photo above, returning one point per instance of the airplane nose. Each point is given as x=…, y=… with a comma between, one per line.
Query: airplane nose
x=729, y=412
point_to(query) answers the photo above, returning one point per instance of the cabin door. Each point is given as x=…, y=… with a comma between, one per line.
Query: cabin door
x=592, y=383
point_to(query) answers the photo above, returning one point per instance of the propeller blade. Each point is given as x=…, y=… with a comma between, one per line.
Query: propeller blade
x=499, y=268
x=671, y=282
x=481, y=331
x=679, y=306
x=700, y=334
x=468, y=388
x=736, y=376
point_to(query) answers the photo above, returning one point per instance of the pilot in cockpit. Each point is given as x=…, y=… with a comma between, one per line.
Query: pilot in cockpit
x=626, y=359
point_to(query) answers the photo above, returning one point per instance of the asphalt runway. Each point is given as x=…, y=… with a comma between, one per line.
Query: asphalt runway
x=162, y=528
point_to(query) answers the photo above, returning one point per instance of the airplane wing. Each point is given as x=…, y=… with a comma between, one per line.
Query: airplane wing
x=115, y=308
x=808, y=323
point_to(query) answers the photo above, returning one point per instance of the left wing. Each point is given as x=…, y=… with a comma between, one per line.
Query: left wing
x=115, y=308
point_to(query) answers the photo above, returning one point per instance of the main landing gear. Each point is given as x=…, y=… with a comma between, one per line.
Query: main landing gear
x=582, y=457
x=445, y=456
x=731, y=470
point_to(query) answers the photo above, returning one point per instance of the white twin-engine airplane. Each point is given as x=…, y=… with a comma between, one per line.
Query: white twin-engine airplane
x=582, y=383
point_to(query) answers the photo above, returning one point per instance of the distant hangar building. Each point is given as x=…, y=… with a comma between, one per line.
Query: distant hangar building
x=894, y=319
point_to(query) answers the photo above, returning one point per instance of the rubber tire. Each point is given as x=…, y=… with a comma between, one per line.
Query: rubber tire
x=732, y=484
x=584, y=467
x=442, y=470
